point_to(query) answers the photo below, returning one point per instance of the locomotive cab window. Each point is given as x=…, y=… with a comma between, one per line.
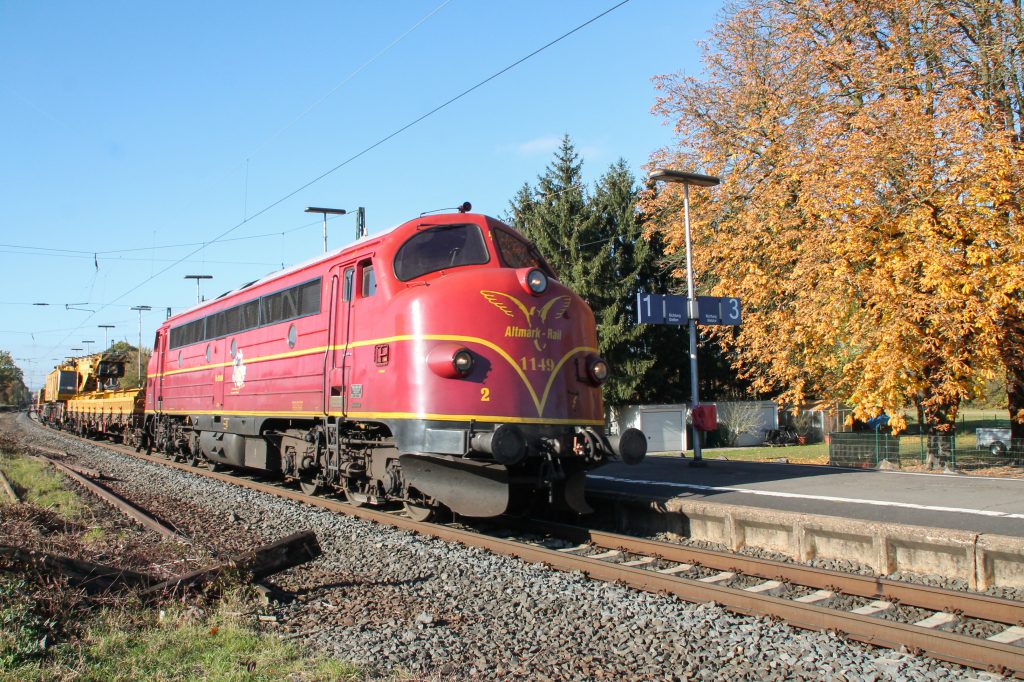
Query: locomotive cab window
x=518, y=253
x=440, y=248
x=369, y=285
x=350, y=278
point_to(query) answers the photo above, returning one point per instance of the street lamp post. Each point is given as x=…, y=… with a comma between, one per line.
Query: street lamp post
x=105, y=327
x=88, y=346
x=698, y=180
x=326, y=212
x=197, y=278
x=138, y=348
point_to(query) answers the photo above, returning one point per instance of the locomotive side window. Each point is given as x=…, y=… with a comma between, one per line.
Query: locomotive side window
x=190, y=332
x=297, y=301
x=440, y=248
x=369, y=287
x=350, y=277
x=240, y=318
x=517, y=253
x=215, y=325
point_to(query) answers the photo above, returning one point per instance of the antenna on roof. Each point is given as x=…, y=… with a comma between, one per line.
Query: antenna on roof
x=464, y=207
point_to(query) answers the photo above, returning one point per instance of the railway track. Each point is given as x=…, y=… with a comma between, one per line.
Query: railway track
x=969, y=629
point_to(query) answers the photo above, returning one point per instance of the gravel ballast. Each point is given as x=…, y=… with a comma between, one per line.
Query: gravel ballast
x=395, y=602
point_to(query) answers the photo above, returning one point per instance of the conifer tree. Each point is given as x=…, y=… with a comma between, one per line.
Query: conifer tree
x=554, y=216
x=595, y=244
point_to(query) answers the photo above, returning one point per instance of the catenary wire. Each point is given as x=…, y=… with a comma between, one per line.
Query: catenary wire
x=363, y=152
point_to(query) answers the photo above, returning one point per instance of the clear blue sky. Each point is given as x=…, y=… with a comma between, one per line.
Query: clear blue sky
x=144, y=125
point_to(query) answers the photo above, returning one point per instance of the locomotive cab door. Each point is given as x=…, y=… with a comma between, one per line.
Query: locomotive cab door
x=339, y=366
x=157, y=385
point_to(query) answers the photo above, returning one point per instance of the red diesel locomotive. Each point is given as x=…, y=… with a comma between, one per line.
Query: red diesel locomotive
x=440, y=364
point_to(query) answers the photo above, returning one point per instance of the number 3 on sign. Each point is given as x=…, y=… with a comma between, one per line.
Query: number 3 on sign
x=731, y=311
x=485, y=395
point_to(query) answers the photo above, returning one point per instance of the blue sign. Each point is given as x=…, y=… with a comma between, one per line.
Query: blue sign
x=730, y=311
x=671, y=309
x=708, y=311
x=650, y=308
x=660, y=309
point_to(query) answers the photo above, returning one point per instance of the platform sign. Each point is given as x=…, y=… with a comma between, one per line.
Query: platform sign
x=660, y=309
x=708, y=310
x=719, y=310
x=731, y=311
x=671, y=309
x=650, y=308
x=675, y=309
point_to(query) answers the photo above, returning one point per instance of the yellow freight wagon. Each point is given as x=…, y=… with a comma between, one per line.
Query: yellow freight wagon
x=83, y=396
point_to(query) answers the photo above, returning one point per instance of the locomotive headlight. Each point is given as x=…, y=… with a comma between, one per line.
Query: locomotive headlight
x=597, y=370
x=462, y=361
x=537, y=281
x=451, y=360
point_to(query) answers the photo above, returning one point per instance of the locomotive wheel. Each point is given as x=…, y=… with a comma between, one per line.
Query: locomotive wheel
x=214, y=466
x=309, y=486
x=420, y=512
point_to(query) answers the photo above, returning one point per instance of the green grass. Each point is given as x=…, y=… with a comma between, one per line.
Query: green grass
x=22, y=626
x=815, y=453
x=968, y=421
x=123, y=646
x=36, y=484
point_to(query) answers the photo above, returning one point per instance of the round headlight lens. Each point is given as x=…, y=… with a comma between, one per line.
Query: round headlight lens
x=598, y=369
x=462, y=361
x=537, y=281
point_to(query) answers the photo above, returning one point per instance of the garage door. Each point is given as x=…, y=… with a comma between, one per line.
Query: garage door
x=664, y=429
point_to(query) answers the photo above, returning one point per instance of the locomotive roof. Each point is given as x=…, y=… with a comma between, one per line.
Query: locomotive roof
x=312, y=261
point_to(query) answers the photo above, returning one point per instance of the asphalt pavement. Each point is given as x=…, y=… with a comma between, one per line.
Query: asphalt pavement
x=971, y=503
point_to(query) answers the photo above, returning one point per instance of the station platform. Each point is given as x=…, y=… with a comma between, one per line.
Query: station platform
x=947, y=524
x=952, y=501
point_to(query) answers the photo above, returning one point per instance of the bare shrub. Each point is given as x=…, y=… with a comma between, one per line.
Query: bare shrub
x=738, y=419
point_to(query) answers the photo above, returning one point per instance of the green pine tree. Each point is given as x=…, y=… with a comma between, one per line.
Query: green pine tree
x=595, y=244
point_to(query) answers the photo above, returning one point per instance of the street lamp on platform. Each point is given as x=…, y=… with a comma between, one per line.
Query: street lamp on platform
x=697, y=180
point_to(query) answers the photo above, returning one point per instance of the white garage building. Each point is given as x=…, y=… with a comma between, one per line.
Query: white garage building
x=667, y=430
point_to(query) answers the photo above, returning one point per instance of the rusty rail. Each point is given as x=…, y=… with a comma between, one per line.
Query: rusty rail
x=936, y=599
x=85, y=471
x=124, y=506
x=8, y=488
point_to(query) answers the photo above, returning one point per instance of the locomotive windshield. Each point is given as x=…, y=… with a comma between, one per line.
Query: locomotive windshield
x=518, y=253
x=440, y=248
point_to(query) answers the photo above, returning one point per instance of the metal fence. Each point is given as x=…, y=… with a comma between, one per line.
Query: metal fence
x=870, y=450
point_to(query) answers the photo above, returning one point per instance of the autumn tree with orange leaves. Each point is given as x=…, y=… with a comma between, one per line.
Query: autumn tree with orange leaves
x=869, y=215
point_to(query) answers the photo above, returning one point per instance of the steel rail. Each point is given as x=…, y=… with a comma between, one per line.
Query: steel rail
x=950, y=647
x=6, y=485
x=85, y=471
x=119, y=503
x=925, y=596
